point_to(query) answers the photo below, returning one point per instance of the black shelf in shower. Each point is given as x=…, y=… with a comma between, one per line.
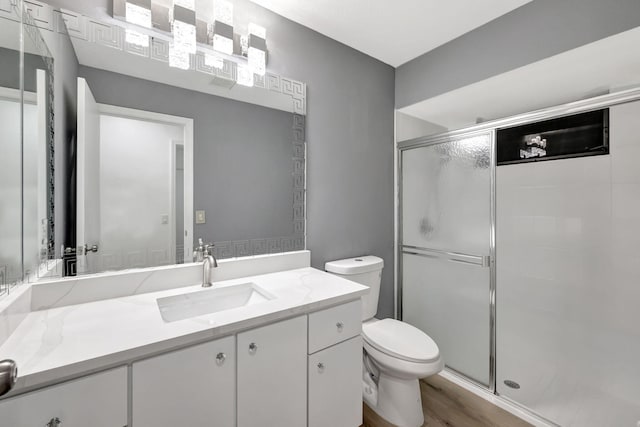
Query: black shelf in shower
x=578, y=135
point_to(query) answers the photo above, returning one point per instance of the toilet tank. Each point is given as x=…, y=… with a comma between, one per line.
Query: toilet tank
x=366, y=270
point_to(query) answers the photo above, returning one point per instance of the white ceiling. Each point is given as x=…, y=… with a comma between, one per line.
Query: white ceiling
x=607, y=65
x=392, y=31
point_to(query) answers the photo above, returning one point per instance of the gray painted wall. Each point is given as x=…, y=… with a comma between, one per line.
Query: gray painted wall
x=535, y=31
x=349, y=135
x=350, y=143
x=242, y=154
x=10, y=69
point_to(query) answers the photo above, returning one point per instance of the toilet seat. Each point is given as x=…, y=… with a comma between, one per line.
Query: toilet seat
x=400, y=340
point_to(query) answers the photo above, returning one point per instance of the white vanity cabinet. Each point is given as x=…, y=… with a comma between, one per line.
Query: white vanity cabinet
x=335, y=385
x=98, y=400
x=304, y=371
x=335, y=366
x=272, y=375
x=194, y=387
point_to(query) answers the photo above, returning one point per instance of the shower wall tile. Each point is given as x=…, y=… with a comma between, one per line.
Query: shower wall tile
x=568, y=253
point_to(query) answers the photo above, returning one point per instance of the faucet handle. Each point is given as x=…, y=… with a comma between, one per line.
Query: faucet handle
x=208, y=248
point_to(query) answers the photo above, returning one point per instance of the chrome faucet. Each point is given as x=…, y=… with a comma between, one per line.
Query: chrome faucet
x=209, y=262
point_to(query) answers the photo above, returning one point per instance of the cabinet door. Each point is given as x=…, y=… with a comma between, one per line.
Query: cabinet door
x=272, y=375
x=98, y=401
x=193, y=387
x=335, y=385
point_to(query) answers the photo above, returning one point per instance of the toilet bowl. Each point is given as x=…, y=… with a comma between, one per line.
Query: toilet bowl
x=396, y=355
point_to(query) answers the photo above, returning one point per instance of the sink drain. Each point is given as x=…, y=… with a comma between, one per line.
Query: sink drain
x=511, y=384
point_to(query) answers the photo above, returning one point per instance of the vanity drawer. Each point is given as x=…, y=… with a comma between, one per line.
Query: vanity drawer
x=334, y=325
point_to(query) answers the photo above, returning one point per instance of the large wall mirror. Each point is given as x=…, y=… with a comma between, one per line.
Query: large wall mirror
x=26, y=163
x=128, y=161
x=10, y=152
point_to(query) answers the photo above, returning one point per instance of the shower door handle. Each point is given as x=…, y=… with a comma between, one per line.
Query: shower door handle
x=480, y=260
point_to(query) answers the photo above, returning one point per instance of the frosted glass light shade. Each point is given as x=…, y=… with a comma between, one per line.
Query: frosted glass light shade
x=184, y=36
x=178, y=58
x=257, y=30
x=223, y=44
x=213, y=61
x=245, y=76
x=257, y=61
x=136, y=38
x=223, y=12
x=257, y=49
x=138, y=15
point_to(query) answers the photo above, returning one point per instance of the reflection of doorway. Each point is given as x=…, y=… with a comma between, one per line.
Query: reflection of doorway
x=141, y=189
x=137, y=204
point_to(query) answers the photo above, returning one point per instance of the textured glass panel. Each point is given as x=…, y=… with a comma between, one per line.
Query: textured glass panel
x=446, y=196
x=567, y=283
x=450, y=302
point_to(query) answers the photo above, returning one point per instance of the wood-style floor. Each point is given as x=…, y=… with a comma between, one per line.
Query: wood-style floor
x=446, y=404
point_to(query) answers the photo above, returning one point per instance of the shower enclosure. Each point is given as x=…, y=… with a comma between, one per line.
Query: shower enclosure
x=525, y=273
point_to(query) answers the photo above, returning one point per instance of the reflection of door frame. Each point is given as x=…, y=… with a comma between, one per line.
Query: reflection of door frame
x=187, y=126
x=172, y=183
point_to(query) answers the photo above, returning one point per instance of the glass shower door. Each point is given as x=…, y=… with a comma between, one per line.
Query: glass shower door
x=446, y=244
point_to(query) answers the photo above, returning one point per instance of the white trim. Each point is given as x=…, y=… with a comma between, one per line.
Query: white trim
x=172, y=198
x=496, y=400
x=172, y=174
x=396, y=204
x=14, y=95
x=187, y=125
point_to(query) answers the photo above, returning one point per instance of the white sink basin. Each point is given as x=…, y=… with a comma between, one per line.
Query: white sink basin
x=213, y=300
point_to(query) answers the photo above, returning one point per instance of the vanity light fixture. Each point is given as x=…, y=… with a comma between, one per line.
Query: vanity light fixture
x=178, y=57
x=136, y=38
x=245, y=76
x=181, y=21
x=257, y=49
x=183, y=25
x=138, y=12
x=222, y=33
x=213, y=61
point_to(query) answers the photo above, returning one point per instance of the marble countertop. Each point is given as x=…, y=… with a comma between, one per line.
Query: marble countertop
x=53, y=345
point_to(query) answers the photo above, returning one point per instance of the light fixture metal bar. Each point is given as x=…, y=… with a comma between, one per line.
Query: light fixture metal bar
x=183, y=14
x=257, y=42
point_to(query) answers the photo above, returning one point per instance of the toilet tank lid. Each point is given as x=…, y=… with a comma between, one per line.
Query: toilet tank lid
x=362, y=264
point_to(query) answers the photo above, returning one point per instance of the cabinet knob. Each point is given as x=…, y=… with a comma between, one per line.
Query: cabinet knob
x=253, y=348
x=340, y=326
x=8, y=375
x=220, y=358
x=321, y=367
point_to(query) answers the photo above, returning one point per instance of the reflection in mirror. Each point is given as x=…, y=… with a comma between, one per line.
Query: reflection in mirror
x=131, y=187
x=10, y=154
x=37, y=143
x=156, y=158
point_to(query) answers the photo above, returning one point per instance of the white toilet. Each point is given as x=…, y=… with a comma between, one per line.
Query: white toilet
x=396, y=354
